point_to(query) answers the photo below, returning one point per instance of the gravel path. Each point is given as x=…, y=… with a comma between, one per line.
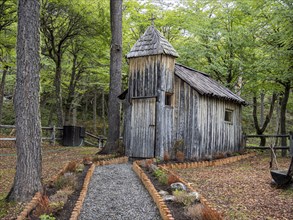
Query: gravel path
x=115, y=192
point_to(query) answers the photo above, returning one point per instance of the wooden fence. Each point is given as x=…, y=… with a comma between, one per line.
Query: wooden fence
x=289, y=147
x=52, y=137
x=93, y=140
x=54, y=134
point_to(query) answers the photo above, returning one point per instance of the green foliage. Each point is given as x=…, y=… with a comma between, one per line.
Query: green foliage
x=161, y=176
x=245, y=45
x=4, y=206
x=183, y=197
x=68, y=180
x=47, y=217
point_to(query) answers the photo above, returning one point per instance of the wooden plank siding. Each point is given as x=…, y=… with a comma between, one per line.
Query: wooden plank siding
x=148, y=74
x=142, y=141
x=185, y=119
x=199, y=121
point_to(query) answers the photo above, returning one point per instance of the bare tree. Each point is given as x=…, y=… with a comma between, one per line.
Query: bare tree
x=115, y=77
x=27, y=179
x=260, y=129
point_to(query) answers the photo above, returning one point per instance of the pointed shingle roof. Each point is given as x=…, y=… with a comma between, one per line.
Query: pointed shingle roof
x=152, y=42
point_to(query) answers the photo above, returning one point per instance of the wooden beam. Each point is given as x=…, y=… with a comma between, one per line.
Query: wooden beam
x=267, y=148
x=269, y=135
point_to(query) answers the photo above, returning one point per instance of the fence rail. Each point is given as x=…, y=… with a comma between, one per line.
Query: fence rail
x=90, y=139
x=52, y=138
x=289, y=136
x=99, y=141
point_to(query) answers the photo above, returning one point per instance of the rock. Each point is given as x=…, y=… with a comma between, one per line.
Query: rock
x=153, y=167
x=195, y=196
x=178, y=186
x=169, y=198
x=163, y=193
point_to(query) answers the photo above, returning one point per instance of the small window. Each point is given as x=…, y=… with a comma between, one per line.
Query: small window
x=229, y=115
x=168, y=99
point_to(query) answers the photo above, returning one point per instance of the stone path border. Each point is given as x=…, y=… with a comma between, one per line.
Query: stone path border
x=76, y=210
x=30, y=206
x=164, y=211
x=217, y=162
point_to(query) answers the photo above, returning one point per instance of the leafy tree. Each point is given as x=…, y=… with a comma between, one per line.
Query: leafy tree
x=7, y=42
x=60, y=23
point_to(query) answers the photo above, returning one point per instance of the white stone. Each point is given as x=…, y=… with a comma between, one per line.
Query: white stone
x=194, y=195
x=163, y=193
x=169, y=198
x=178, y=186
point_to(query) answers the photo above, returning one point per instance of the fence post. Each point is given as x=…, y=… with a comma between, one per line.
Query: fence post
x=244, y=140
x=53, y=135
x=291, y=143
x=100, y=144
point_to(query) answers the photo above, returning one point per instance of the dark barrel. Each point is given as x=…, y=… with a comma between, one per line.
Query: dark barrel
x=73, y=135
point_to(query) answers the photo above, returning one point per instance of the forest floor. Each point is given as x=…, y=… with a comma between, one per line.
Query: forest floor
x=54, y=159
x=244, y=190
x=241, y=190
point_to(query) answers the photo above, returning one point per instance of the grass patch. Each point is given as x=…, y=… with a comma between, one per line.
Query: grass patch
x=288, y=192
x=6, y=207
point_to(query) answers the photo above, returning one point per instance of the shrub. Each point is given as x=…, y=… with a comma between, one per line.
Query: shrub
x=66, y=180
x=87, y=160
x=195, y=212
x=166, y=157
x=161, y=176
x=71, y=166
x=79, y=168
x=61, y=195
x=148, y=163
x=178, y=146
x=180, y=156
x=42, y=206
x=183, y=197
x=47, y=217
x=201, y=212
x=219, y=155
x=56, y=206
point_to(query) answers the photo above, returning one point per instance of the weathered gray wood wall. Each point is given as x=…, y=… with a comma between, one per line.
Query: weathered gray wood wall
x=143, y=116
x=150, y=73
x=165, y=85
x=199, y=122
x=149, y=78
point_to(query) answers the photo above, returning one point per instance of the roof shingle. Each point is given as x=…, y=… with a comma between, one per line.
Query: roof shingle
x=205, y=85
x=152, y=42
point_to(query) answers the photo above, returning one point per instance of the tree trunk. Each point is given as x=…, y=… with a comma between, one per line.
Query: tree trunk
x=283, y=109
x=58, y=91
x=115, y=77
x=262, y=108
x=71, y=93
x=2, y=86
x=261, y=130
x=103, y=111
x=50, y=119
x=27, y=179
x=74, y=116
x=95, y=111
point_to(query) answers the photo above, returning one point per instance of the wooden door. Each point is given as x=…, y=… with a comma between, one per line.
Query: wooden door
x=143, y=117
